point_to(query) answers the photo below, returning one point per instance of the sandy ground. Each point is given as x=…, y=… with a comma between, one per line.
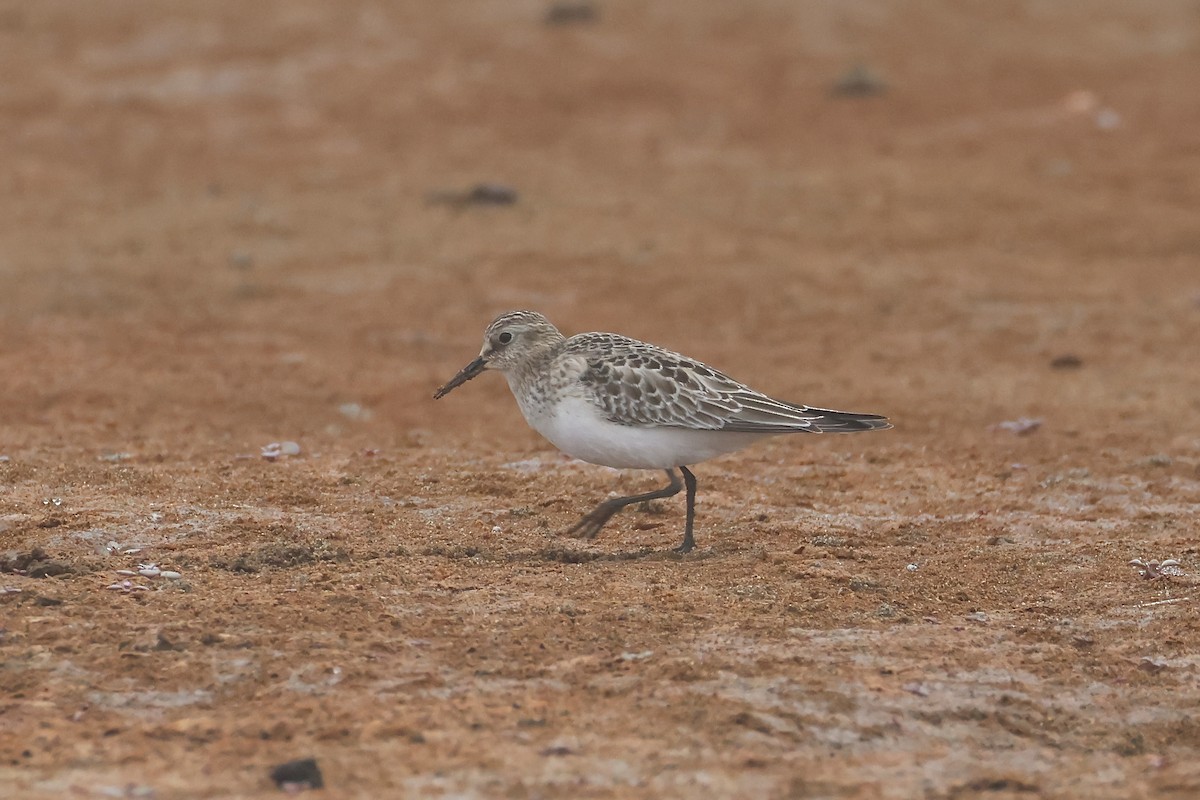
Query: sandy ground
x=226, y=224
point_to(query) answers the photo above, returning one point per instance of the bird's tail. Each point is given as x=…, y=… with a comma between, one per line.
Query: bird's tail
x=825, y=420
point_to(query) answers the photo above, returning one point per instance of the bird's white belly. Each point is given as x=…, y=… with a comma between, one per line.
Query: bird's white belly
x=578, y=428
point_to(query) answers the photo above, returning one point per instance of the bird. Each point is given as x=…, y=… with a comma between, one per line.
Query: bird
x=608, y=399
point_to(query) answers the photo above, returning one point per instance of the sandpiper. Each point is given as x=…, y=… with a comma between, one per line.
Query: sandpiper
x=615, y=401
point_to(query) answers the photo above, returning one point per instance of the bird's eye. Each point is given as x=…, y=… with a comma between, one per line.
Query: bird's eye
x=504, y=338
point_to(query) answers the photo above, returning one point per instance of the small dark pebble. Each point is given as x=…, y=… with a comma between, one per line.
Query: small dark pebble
x=303, y=773
x=239, y=259
x=50, y=522
x=494, y=194
x=859, y=81
x=1067, y=361
x=481, y=194
x=566, y=13
x=557, y=750
x=47, y=601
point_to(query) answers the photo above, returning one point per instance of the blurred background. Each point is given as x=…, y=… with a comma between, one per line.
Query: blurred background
x=243, y=241
x=232, y=218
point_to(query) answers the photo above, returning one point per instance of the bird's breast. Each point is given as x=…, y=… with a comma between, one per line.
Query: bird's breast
x=580, y=429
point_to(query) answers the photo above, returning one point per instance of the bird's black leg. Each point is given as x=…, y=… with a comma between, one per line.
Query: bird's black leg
x=688, y=541
x=590, y=525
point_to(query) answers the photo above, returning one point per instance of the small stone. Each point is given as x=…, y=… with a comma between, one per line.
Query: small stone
x=491, y=194
x=298, y=775
x=859, y=81
x=1066, y=361
x=567, y=12
x=481, y=194
x=241, y=260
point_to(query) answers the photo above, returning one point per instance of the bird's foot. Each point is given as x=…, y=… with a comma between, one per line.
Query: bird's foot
x=591, y=523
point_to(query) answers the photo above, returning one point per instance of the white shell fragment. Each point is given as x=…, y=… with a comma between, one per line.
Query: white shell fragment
x=272, y=451
x=148, y=570
x=1022, y=426
x=127, y=587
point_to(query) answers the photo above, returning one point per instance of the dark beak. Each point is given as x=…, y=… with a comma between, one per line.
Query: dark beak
x=465, y=374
